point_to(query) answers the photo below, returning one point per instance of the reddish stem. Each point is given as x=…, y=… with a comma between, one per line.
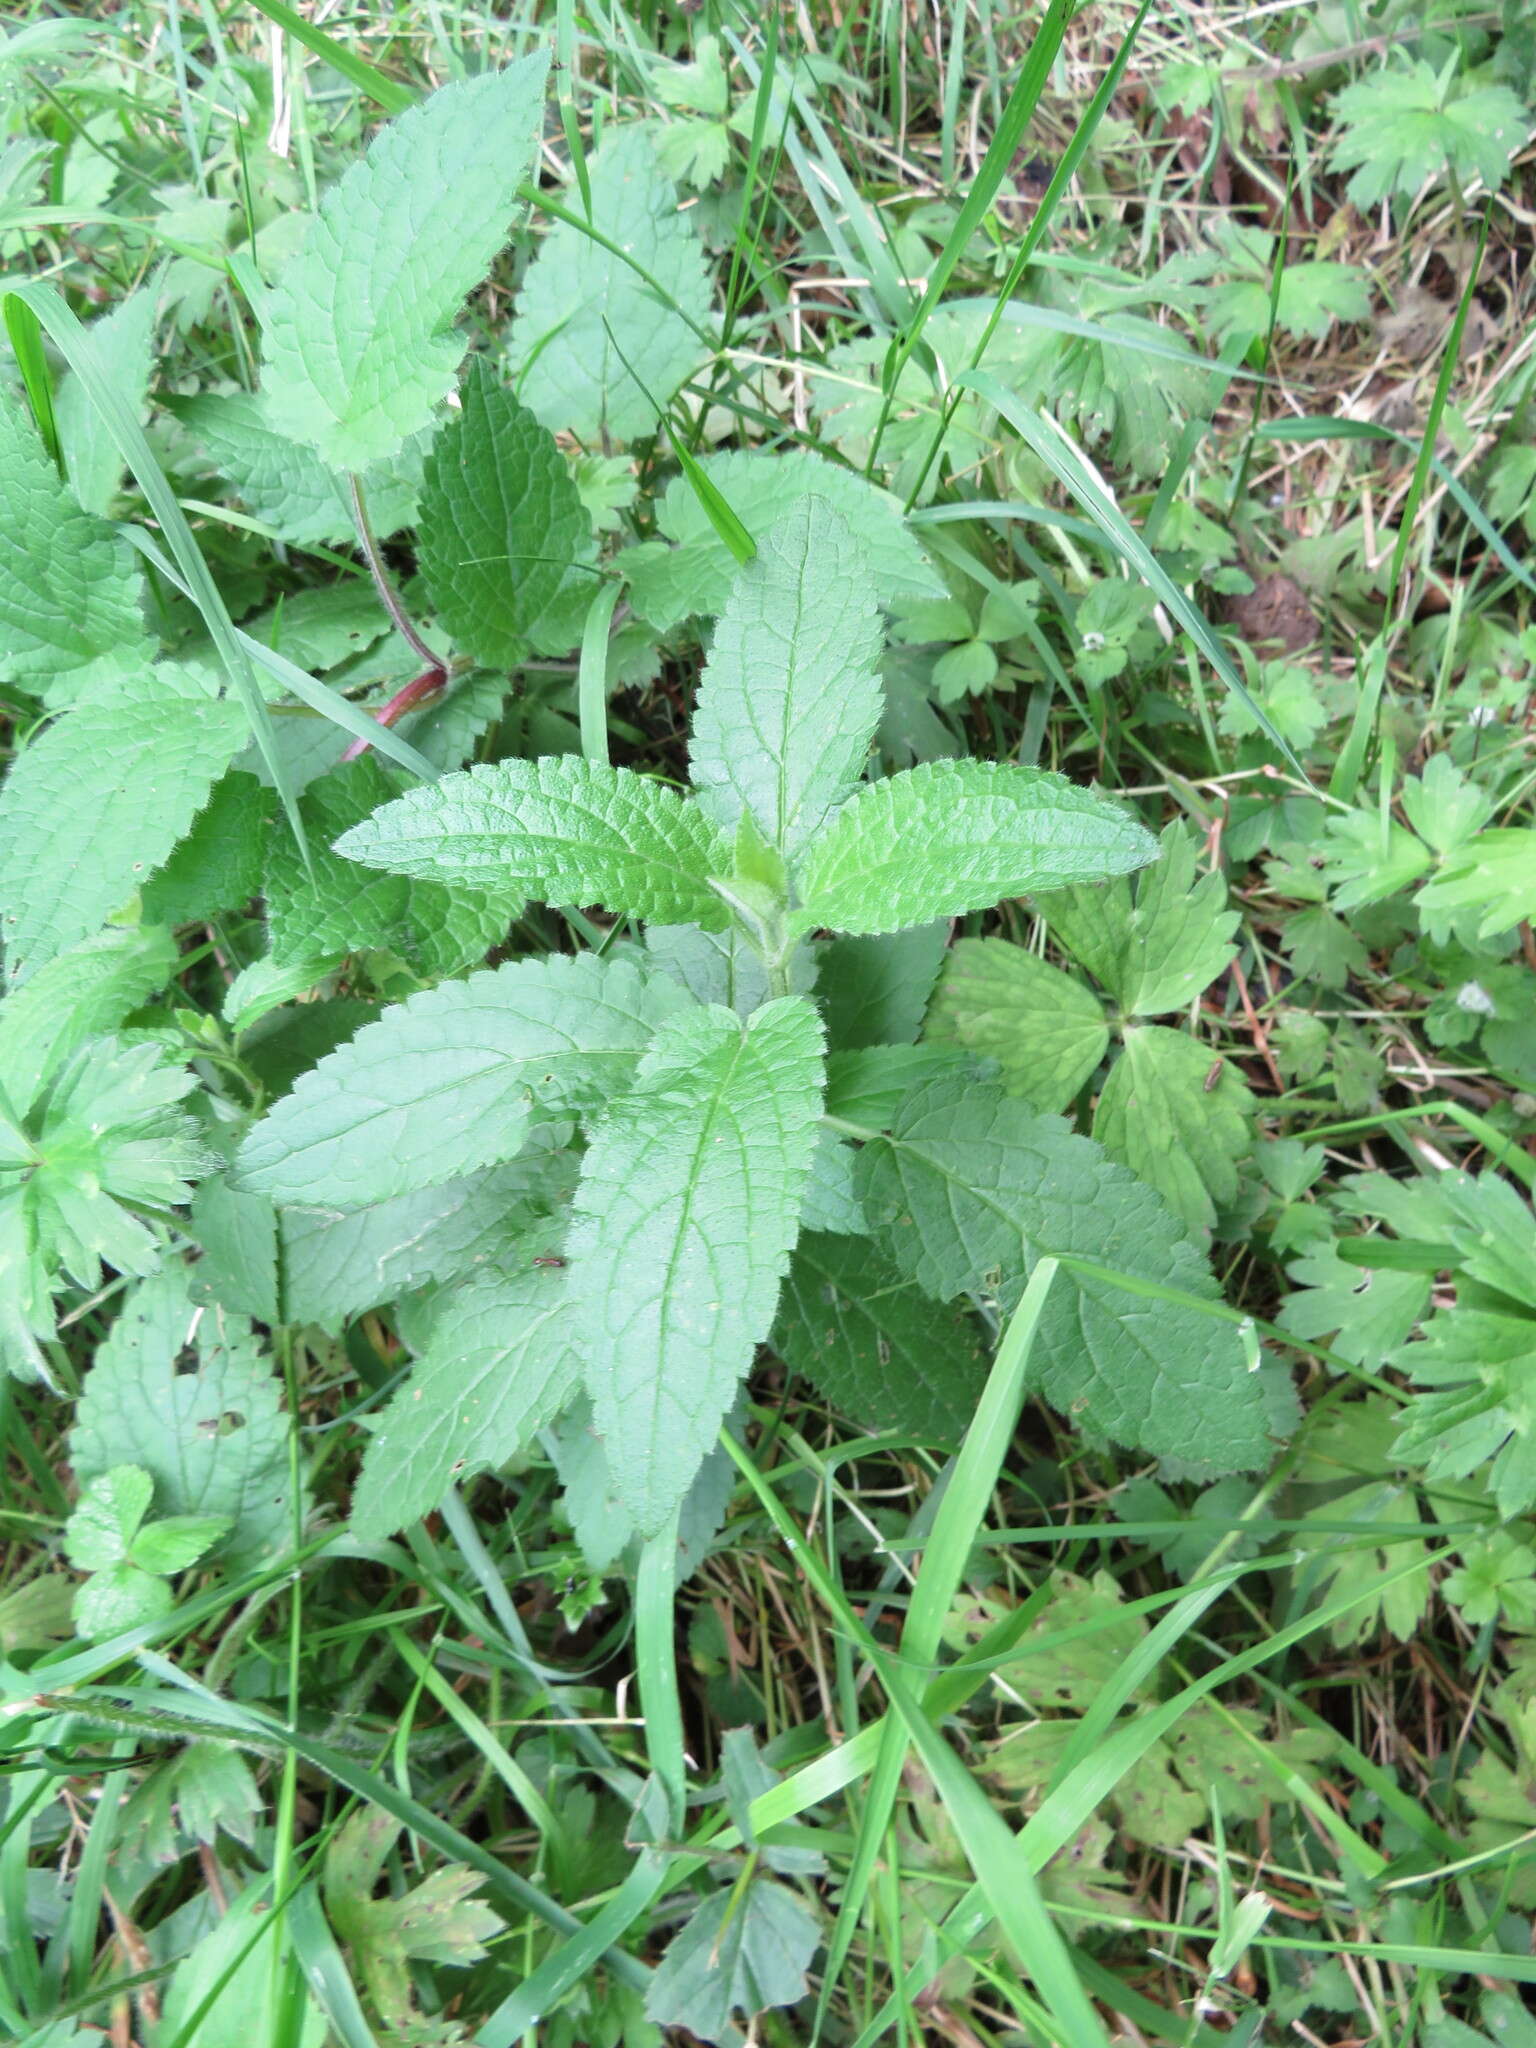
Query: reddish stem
x=419, y=690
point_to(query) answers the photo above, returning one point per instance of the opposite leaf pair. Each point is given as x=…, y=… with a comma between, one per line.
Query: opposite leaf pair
x=703, y=1129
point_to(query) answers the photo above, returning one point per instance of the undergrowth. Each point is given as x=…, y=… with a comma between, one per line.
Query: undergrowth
x=768, y=1062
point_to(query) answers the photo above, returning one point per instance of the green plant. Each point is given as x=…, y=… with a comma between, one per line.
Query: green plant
x=130, y=1560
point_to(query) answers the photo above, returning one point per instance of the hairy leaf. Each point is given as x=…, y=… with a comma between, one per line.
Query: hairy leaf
x=70, y=585
x=876, y=1346
x=183, y=1392
x=1046, y=1032
x=599, y=346
x=873, y=991
x=954, y=836
x=791, y=697
x=95, y=804
x=339, y=1262
x=449, y=1080
x=79, y=995
x=741, y=1951
x=560, y=828
x=1161, y=1112
x=1157, y=946
x=359, y=346
x=333, y=906
x=695, y=574
x=970, y=1188
x=503, y=529
x=218, y=866
x=284, y=483
x=684, y=1220
x=498, y=1364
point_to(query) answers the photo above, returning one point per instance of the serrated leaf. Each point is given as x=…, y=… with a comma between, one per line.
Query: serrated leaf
x=1046, y=1032
x=339, y=1262
x=1494, y=879
x=1362, y=1312
x=873, y=991
x=106, y=1145
x=450, y=1080
x=79, y=995
x=876, y=1346
x=91, y=808
x=70, y=585
x=104, y=1520
x=1154, y=947
x=184, y=1392
x=333, y=906
x=695, y=574
x=560, y=828
x=1481, y=1416
x=503, y=529
x=714, y=967
x=166, y=1548
x=581, y=305
x=1397, y=128
x=683, y=1223
x=218, y=866
x=357, y=332
x=955, y=836
x=791, y=695
x=119, y=1597
x=123, y=340
x=741, y=1951
x=970, y=1188
x=498, y=1365
x=1160, y=1113
x=284, y=484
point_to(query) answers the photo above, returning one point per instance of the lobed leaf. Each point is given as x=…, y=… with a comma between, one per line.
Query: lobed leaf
x=1178, y=1119
x=1046, y=1032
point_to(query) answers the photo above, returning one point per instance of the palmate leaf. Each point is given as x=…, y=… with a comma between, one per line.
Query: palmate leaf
x=70, y=586
x=970, y=1188
x=955, y=836
x=359, y=347
x=878, y=1348
x=503, y=529
x=1154, y=946
x=94, y=805
x=1046, y=1031
x=683, y=1224
x=791, y=697
x=693, y=576
x=740, y=1952
x=449, y=1080
x=498, y=1365
x=561, y=829
x=1180, y=1130
x=79, y=995
x=581, y=305
x=1397, y=128
x=124, y=340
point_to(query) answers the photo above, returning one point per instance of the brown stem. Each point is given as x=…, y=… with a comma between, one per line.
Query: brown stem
x=388, y=596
